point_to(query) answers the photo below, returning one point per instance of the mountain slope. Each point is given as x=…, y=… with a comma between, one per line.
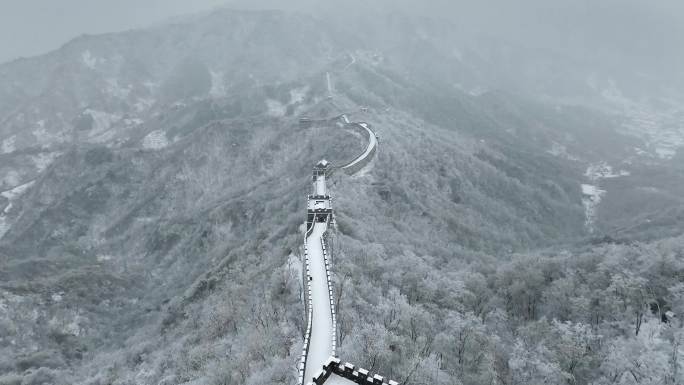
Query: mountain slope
x=155, y=233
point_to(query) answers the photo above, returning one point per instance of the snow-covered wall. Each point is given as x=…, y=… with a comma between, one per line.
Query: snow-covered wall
x=305, y=368
x=365, y=157
x=308, y=302
x=328, y=269
x=357, y=375
x=308, y=297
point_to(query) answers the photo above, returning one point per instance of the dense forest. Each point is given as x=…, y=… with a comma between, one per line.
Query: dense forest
x=520, y=224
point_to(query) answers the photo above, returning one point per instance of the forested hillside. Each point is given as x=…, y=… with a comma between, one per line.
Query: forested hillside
x=152, y=197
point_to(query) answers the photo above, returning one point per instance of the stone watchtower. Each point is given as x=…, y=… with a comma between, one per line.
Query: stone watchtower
x=320, y=204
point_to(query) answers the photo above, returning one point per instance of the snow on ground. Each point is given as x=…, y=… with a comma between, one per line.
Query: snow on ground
x=4, y=225
x=42, y=135
x=155, y=140
x=71, y=323
x=603, y=170
x=88, y=59
x=116, y=90
x=298, y=95
x=8, y=145
x=132, y=122
x=662, y=128
x=17, y=191
x=142, y=104
x=44, y=160
x=356, y=134
x=472, y=91
x=275, y=108
x=320, y=346
x=10, y=179
x=592, y=193
x=365, y=170
x=218, y=85
x=591, y=197
x=102, y=121
x=294, y=264
x=662, y=131
x=560, y=151
x=11, y=195
x=104, y=258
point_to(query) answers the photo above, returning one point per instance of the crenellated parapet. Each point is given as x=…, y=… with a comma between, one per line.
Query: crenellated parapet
x=331, y=297
x=367, y=156
x=320, y=338
x=319, y=211
x=356, y=375
x=308, y=303
x=307, y=122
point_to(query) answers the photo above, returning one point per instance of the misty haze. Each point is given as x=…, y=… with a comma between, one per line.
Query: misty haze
x=341, y=192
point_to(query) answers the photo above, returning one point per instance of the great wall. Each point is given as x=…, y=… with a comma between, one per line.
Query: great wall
x=319, y=363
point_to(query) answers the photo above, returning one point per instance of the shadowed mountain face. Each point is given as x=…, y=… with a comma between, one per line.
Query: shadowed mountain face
x=153, y=190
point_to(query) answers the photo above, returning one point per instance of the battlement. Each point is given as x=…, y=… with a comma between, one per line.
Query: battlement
x=319, y=209
x=356, y=375
x=319, y=203
x=307, y=122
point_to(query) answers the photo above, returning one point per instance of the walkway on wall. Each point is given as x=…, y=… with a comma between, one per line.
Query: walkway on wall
x=322, y=326
x=369, y=152
x=318, y=356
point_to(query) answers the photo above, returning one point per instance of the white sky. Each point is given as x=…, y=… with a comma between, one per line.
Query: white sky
x=639, y=30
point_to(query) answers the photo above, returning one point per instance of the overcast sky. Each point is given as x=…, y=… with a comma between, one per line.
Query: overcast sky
x=31, y=27
x=642, y=28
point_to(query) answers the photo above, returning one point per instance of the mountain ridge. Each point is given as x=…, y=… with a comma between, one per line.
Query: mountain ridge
x=159, y=241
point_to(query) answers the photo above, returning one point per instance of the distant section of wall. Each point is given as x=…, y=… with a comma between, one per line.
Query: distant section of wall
x=361, y=163
x=367, y=155
x=319, y=209
x=306, y=122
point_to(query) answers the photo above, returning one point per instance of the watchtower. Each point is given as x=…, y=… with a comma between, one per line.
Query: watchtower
x=320, y=203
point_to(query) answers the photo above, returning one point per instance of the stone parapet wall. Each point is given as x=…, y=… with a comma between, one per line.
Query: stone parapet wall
x=350, y=372
x=307, y=307
x=308, y=300
x=331, y=297
x=357, y=164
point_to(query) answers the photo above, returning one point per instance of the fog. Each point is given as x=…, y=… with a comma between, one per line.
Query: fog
x=648, y=33
x=32, y=27
x=508, y=183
